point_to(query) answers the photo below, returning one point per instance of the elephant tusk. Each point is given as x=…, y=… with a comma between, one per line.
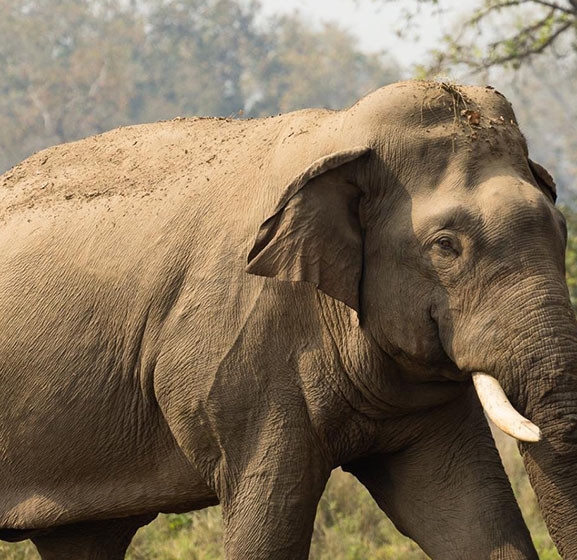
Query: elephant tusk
x=501, y=412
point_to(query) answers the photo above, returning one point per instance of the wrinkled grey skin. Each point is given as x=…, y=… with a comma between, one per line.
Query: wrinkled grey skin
x=211, y=311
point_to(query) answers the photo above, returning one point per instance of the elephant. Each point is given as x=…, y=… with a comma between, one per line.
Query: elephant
x=214, y=311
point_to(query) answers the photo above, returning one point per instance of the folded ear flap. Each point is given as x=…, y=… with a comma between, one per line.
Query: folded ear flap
x=543, y=179
x=315, y=234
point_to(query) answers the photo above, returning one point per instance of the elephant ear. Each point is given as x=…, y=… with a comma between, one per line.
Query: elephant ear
x=543, y=179
x=315, y=233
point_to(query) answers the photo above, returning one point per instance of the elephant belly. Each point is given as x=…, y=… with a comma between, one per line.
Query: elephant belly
x=85, y=446
x=68, y=491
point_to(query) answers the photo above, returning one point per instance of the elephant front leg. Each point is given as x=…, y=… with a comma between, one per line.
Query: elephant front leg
x=270, y=513
x=448, y=491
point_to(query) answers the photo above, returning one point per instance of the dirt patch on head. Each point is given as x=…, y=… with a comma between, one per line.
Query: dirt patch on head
x=436, y=109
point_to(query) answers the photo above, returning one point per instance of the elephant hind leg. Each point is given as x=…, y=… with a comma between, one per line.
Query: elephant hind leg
x=95, y=540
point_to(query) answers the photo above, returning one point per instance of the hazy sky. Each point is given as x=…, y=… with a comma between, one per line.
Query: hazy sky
x=374, y=22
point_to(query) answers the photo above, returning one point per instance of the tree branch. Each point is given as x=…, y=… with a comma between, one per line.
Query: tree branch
x=522, y=55
x=557, y=7
x=495, y=7
x=526, y=31
x=514, y=3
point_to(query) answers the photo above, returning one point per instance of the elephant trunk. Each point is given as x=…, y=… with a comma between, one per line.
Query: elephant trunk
x=533, y=355
x=543, y=387
x=549, y=453
x=551, y=463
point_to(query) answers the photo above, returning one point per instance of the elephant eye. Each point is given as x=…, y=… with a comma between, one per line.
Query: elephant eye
x=446, y=243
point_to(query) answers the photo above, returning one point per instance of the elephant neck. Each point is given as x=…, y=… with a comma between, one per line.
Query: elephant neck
x=372, y=381
x=356, y=394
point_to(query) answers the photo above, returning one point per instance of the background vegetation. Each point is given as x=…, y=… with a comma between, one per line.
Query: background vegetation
x=70, y=68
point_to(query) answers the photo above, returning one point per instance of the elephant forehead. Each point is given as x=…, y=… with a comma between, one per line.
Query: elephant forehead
x=425, y=104
x=426, y=161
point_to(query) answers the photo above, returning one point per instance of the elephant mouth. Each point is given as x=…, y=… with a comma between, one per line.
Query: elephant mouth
x=451, y=372
x=446, y=366
x=493, y=399
x=495, y=403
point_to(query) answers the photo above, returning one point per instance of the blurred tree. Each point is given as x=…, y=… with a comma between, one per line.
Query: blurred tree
x=543, y=95
x=304, y=67
x=197, y=55
x=70, y=68
x=64, y=66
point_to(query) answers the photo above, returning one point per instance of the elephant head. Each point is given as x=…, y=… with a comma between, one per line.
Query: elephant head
x=429, y=220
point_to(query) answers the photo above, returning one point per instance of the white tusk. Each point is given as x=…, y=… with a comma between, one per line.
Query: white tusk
x=501, y=411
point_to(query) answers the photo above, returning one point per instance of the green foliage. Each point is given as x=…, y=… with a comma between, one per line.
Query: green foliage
x=571, y=255
x=63, y=71
x=350, y=526
x=531, y=34
x=195, y=536
x=324, y=57
x=18, y=551
x=196, y=55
